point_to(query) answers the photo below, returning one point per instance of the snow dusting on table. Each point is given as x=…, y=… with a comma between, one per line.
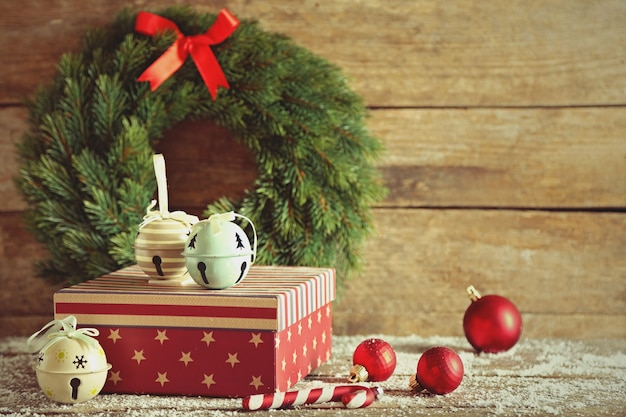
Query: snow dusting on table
x=536, y=377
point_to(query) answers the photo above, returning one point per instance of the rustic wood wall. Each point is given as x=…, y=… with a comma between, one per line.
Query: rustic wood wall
x=505, y=131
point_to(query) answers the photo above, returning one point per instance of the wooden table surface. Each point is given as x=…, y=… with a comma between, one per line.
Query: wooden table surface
x=537, y=377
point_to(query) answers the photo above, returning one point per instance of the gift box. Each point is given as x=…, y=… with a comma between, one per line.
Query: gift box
x=260, y=336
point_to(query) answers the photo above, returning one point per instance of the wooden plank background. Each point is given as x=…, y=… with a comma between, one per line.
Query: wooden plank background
x=504, y=124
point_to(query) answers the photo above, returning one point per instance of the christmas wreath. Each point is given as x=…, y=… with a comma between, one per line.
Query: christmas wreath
x=86, y=161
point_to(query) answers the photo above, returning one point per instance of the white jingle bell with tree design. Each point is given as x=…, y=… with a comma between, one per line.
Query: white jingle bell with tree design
x=71, y=367
x=162, y=237
x=218, y=253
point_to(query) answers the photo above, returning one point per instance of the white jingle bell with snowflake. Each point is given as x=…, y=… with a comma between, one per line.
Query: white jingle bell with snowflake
x=162, y=237
x=218, y=253
x=71, y=367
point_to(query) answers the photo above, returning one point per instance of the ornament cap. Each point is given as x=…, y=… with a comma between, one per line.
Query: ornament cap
x=473, y=293
x=413, y=384
x=358, y=373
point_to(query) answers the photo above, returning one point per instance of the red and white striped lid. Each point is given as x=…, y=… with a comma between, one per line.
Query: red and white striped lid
x=269, y=298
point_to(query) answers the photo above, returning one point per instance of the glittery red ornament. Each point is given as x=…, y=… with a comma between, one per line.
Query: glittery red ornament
x=491, y=323
x=374, y=360
x=439, y=370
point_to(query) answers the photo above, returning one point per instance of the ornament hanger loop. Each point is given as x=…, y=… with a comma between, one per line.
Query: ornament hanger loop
x=58, y=329
x=215, y=221
x=162, y=213
x=473, y=293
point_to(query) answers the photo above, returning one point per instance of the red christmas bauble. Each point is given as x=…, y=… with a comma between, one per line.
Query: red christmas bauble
x=491, y=323
x=374, y=360
x=439, y=370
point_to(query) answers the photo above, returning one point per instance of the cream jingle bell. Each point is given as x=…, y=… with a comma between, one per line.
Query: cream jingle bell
x=71, y=367
x=218, y=253
x=162, y=236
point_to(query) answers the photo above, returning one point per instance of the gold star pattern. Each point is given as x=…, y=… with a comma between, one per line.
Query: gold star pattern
x=138, y=356
x=208, y=380
x=114, y=335
x=115, y=377
x=299, y=346
x=256, y=339
x=162, y=378
x=185, y=357
x=232, y=359
x=256, y=382
x=208, y=338
x=161, y=336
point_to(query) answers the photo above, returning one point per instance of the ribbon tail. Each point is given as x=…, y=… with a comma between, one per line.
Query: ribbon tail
x=209, y=69
x=159, y=171
x=166, y=65
x=38, y=340
x=224, y=25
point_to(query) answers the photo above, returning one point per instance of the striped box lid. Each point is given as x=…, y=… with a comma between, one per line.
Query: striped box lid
x=269, y=298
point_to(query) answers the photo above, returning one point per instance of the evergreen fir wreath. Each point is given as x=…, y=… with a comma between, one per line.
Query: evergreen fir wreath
x=87, y=172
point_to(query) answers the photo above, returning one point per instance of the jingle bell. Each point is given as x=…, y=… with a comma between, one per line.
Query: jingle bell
x=158, y=246
x=162, y=236
x=72, y=366
x=218, y=253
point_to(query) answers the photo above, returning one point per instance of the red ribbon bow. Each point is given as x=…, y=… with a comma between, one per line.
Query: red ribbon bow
x=196, y=45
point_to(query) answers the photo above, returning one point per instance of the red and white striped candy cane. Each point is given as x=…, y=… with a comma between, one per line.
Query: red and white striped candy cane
x=361, y=398
x=300, y=397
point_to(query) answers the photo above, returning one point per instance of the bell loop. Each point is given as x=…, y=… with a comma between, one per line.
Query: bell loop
x=216, y=220
x=156, y=215
x=60, y=329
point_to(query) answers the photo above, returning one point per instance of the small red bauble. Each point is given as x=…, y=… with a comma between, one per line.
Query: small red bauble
x=374, y=360
x=491, y=323
x=439, y=370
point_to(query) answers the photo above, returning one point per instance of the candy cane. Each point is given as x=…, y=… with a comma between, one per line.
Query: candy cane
x=360, y=398
x=309, y=396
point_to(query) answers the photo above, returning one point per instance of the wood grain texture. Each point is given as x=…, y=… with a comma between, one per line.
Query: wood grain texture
x=204, y=163
x=525, y=158
x=564, y=270
x=521, y=158
x=12, y=127
x=503, y=123
x=22, y=294
x=396, y=52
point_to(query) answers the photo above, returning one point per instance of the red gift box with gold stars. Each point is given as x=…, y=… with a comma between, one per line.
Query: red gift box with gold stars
x=259, y=336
